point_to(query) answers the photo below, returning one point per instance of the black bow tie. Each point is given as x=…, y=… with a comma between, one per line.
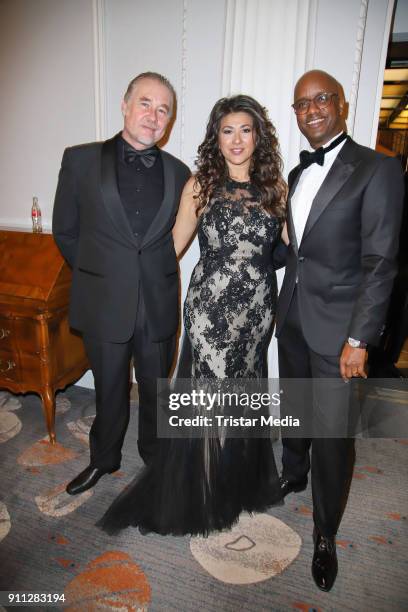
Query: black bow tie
x=146, y=156
x=317, y=157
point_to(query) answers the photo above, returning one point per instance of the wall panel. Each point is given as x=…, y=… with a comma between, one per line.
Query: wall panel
x=47, y=101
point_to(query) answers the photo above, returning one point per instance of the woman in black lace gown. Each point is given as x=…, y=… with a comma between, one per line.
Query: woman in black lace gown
x=236, y=202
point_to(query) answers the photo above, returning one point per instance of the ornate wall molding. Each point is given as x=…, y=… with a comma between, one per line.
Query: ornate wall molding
x=98, y=10
x=358, y=56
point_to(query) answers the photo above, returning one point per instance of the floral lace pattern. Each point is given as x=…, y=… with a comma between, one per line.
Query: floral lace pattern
x=231, y=300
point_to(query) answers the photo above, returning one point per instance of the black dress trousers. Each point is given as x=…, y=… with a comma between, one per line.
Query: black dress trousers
x=110, y=363
x=332, y=455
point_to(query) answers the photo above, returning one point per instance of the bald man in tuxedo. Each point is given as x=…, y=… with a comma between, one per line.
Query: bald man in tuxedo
x=344, y=210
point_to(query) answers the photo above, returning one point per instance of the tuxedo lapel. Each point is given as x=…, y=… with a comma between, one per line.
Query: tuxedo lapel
x=167, y=206
x=110, y=191
x=289, y=218
x=338, y=174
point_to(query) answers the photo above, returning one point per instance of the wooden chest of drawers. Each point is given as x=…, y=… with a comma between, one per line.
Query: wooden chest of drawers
x=38, y=351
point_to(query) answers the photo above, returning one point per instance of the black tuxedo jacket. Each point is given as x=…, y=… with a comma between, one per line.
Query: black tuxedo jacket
x=345, y=263
x=109, y=264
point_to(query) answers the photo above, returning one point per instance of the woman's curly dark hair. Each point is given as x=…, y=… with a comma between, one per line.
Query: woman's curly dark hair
x=266, y=165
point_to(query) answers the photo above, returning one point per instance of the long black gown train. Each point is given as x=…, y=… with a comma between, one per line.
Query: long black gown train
x=197, y=485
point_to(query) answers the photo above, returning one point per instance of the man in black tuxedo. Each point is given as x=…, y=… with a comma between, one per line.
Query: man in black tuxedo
x=344, y=209
x=115, y=206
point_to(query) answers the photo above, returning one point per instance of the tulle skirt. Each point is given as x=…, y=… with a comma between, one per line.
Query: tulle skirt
x=195, y=486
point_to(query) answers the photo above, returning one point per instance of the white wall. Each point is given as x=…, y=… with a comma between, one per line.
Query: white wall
x=335, y=39
x=47, y=98
x=64, y=65
x=351, y=37
x=132, y=26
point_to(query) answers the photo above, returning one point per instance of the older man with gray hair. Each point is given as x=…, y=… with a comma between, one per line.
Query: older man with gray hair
x=114, y=210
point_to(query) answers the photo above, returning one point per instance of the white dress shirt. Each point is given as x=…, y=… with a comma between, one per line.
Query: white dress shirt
x=309, y=184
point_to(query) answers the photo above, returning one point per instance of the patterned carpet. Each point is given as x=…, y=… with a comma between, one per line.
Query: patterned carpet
x=48, y=542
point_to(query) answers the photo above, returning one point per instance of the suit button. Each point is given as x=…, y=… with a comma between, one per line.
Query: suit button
x=139, y=252
x=301, y=259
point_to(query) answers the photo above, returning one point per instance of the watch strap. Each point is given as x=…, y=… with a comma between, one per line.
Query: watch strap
x=356, y=343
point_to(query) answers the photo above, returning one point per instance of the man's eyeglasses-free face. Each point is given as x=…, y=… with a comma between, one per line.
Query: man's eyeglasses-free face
x=322, y=100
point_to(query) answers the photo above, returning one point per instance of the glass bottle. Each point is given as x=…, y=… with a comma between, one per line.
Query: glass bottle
x=36, y=216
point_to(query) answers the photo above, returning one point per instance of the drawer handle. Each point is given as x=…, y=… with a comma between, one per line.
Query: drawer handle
x=10, y=366
x=4, y=333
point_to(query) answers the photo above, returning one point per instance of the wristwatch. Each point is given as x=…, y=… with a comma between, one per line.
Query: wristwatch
x=356, y=343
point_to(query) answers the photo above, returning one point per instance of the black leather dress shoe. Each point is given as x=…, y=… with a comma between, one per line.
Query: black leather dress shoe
x=86, y=479
x=324, y=564
x=287, y=487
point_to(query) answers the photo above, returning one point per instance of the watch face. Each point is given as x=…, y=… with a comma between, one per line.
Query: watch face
x=353, y=343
